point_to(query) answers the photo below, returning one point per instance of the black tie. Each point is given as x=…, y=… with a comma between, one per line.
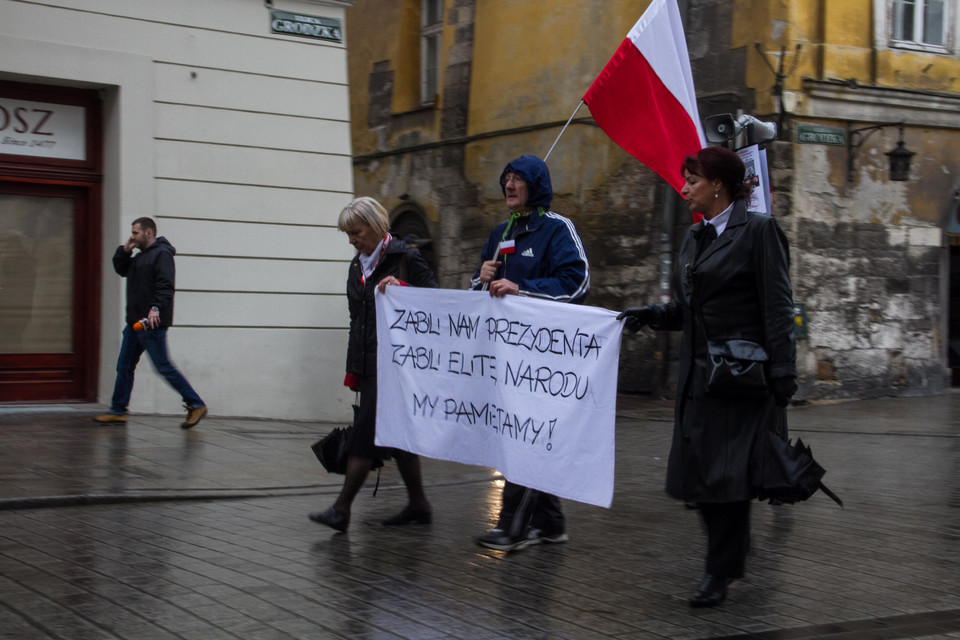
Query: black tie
x=707, y=235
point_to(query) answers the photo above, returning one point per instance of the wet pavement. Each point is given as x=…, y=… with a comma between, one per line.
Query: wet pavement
x=147, y=531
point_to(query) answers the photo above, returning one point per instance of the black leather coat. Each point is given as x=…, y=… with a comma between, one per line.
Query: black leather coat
x=742, y=283
x=362, y=345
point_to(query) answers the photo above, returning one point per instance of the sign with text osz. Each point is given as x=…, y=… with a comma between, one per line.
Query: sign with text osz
x=42, y=129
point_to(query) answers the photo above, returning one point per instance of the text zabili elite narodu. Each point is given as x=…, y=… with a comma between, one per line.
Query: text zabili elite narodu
x=552, y=342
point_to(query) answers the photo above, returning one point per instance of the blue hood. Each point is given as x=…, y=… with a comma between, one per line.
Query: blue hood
x=534, y=171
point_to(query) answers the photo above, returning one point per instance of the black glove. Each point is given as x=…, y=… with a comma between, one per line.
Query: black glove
x=783, y=389
x=639, y=317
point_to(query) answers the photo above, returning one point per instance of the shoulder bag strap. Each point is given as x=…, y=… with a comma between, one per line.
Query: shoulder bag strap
x=403, y=267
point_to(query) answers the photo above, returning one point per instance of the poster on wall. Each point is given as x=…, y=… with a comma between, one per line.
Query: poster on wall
x=755, y=162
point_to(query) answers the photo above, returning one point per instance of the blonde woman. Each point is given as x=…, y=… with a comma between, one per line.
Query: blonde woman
x=381, y=261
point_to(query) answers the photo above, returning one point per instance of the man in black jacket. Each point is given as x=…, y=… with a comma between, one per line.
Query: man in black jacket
x=150, y=287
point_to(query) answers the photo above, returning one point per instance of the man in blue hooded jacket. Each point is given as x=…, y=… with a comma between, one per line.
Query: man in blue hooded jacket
x=537, y=253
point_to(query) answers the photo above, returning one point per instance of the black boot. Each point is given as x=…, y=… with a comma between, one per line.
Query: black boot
x=712, y=591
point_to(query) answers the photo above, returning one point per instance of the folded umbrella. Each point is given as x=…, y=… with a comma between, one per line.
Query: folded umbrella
x=331, y=452
x=784, y=472
x=331, y=449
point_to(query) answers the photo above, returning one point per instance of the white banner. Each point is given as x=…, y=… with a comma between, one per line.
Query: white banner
x=523, y=385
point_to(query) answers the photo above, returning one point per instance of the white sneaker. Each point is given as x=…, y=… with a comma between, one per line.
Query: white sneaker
x=501, y=541
x=552, y=538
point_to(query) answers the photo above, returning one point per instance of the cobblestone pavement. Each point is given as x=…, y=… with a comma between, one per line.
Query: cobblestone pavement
x=146, y=531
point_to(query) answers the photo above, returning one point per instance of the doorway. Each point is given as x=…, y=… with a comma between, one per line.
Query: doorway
x=50, y=247
x=47, y=326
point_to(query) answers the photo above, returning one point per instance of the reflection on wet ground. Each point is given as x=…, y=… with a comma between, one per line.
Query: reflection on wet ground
x=886, y=566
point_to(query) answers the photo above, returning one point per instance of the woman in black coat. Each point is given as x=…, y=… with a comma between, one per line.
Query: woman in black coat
x=736, y=286
x=381, y=260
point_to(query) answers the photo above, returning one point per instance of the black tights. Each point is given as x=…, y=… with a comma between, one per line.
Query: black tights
x=358, y=469
x=728, y=537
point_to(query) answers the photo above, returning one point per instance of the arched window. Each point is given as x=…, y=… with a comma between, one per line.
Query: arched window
x=407, y=222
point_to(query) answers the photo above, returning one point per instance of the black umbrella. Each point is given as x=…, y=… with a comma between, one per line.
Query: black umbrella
x=784, y=472
x=331, y=449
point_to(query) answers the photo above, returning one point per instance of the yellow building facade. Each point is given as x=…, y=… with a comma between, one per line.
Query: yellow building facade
x=445, y=92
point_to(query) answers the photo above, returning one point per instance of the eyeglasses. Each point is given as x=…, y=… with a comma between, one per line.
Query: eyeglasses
x=514, y=179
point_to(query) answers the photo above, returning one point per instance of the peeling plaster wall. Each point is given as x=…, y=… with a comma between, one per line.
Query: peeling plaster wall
x=868, y=269
x=869, y=258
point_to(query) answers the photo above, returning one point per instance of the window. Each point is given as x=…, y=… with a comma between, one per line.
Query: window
x=920, y=22
x=431, y=32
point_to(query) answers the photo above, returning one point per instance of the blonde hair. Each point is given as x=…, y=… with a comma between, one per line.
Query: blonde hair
x=364, y=210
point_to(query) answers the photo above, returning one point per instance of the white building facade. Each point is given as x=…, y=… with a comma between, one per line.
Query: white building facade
x=227, y=122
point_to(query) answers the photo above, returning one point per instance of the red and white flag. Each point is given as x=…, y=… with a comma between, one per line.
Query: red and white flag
x=644, y=98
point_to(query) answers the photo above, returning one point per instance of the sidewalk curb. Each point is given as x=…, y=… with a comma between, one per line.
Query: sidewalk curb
x=92, y=499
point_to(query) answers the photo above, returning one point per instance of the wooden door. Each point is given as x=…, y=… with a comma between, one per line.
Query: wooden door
x=48, y=329
x=50, y=247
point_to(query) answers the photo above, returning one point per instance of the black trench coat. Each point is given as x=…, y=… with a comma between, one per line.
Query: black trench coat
x=742, y=283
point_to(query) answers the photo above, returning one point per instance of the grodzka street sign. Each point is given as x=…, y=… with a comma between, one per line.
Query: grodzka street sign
x=307, y=26
x=821, y=134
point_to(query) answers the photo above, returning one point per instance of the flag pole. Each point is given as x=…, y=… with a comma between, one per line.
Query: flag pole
x=562, y=130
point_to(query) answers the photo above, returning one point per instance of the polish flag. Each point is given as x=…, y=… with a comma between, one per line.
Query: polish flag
x=644, y=98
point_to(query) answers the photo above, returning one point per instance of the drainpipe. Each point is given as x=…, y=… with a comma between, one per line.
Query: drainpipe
x=666, y=270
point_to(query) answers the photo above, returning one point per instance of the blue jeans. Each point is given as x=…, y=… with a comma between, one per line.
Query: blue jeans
x=154, y=342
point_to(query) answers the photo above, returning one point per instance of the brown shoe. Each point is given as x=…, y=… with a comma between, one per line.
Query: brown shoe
x=193, y=417
x=111, y=417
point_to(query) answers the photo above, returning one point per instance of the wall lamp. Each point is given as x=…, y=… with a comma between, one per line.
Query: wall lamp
x=899, y=158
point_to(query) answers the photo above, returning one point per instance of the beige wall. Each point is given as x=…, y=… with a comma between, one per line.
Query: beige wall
x=236, y=141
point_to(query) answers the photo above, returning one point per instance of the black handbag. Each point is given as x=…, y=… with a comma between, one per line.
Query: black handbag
x=782, y=472
x=736, y=368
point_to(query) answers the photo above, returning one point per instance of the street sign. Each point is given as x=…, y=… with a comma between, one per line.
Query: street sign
x=821, y=134
x=306, y=26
